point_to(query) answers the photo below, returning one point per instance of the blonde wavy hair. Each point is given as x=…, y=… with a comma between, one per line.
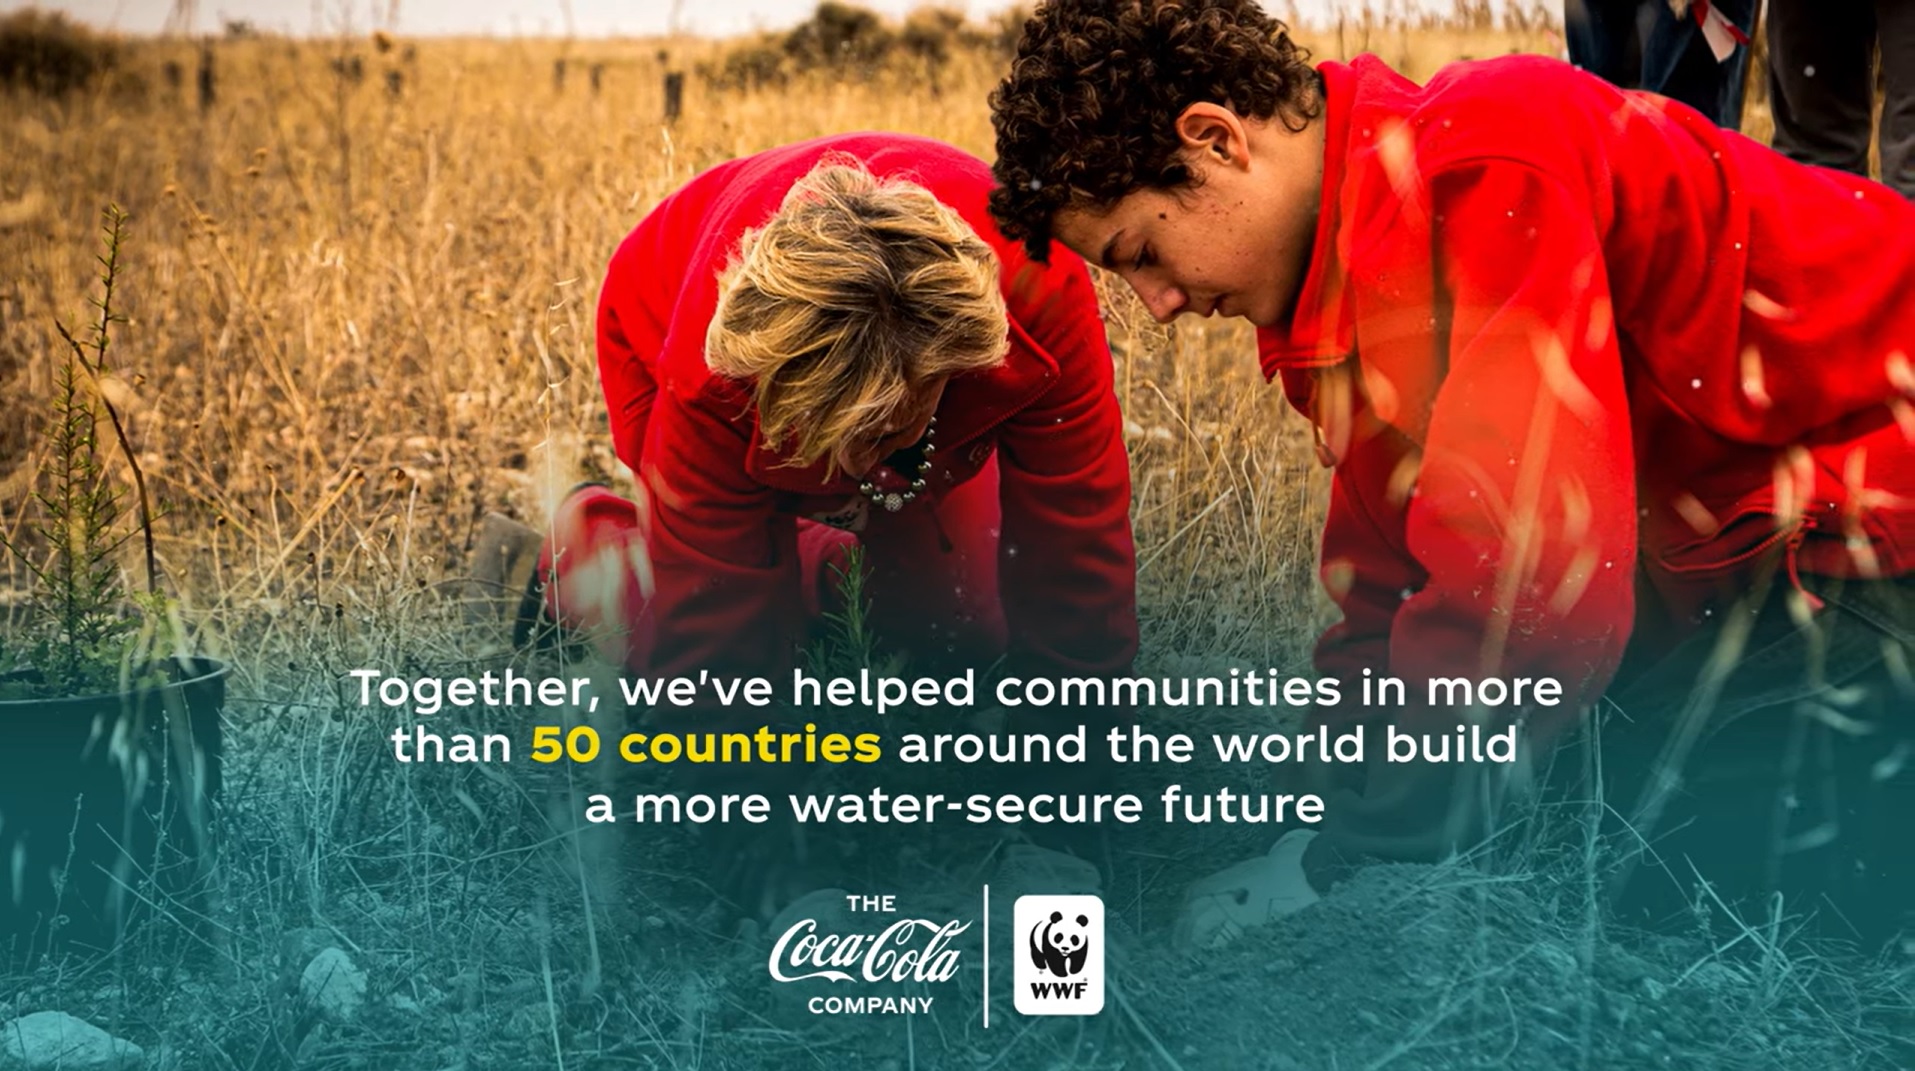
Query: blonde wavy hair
x=856, y=293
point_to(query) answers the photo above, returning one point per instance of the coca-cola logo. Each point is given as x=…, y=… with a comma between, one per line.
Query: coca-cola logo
x=915, y=950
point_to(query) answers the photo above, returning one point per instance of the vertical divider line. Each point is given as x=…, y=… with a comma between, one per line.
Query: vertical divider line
x=987, y=957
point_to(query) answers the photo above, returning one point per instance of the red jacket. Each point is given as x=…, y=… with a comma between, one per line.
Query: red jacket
x=1590, y=330
x=723, y=508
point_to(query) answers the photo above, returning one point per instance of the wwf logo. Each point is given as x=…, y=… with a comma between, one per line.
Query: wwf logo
x=1060, y=966
x=1061, y=947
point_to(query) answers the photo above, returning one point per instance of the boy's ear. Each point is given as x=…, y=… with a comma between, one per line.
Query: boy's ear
x=1213, y=133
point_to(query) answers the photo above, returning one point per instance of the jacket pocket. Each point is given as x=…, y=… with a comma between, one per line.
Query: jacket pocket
x=1749, y=532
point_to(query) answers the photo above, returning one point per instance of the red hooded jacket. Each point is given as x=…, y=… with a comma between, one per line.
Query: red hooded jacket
x=723, y=507
x=1553, y=331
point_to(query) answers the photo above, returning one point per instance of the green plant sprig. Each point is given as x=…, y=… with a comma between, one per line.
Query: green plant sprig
x=79, y=637
x=96, y=369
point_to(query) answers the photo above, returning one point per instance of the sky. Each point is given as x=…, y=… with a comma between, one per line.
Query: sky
x=587, y=18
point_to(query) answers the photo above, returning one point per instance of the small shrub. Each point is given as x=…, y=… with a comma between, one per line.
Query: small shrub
x=755, y=65
x=841, y=40
x=839, y=35
x=47, y=53
x=932, y=33
x=1004, y=29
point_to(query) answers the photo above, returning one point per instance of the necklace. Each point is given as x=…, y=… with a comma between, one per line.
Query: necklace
x=894, y=501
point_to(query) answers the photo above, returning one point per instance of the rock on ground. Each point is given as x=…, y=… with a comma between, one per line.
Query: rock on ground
x=334, y=985
x=56, y=1041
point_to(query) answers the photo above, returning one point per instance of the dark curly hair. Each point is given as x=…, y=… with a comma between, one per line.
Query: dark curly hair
x=1087, y=114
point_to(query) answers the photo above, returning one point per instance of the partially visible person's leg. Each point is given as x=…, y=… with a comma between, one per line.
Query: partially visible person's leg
x=1678, y=62
x=1895, y=29
x=1602, y=39
x=1879, y=789
x=1786, y=773
x=1822, y=80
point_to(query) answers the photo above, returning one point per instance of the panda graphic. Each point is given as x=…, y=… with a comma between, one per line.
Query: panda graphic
x=1059, y=947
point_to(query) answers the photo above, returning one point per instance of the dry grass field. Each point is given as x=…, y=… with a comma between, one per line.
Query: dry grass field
x=359, y=285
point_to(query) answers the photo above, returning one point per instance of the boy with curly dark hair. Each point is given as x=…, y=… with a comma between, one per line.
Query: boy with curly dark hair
x=1614, y=398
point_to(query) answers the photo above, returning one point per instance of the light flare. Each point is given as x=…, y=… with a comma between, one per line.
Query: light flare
x=1339, y=576
x=1552, y=357
x=1403, y=478
x=1766, y=307
x=1794, y=480
x=1696, y=515
x=1753, y=387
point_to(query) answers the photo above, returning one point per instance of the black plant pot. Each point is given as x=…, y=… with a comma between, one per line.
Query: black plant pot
x=105, y=808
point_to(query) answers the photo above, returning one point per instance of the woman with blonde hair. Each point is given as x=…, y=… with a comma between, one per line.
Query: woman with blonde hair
x=830, y=343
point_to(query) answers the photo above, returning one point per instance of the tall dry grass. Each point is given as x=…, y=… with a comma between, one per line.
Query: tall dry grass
x=361, y=280
x=362, y=283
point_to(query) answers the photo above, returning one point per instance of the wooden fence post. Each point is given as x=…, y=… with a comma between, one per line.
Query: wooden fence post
x=208, y=87
x=674, y=95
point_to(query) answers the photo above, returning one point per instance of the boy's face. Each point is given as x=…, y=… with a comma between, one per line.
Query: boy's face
x=1233, y=243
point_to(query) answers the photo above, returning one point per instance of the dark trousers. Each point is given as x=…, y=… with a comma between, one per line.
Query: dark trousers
x=1643, y=44
x=1822, y=68
x=1772, y=752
